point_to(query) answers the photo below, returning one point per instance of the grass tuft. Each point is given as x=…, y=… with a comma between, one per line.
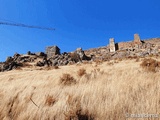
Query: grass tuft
x=150, y=65
x=50, y=100
x=81, y=72
x=67, y=79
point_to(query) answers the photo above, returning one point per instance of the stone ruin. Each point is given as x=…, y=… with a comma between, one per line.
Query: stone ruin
x=133, y=48
x=135, y=44
x=53, y=57
x=137, y=39
x=136, y=47
x=112, y=45
x=52, y=50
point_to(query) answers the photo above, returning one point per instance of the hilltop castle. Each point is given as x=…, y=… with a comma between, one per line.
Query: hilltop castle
x=137, y=43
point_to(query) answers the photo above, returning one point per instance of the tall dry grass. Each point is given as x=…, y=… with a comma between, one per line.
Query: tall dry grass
x=104, y=92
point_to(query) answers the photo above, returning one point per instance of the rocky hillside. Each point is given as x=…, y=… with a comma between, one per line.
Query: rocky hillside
x=94, y=84
x=150, y=47
x=153, y=41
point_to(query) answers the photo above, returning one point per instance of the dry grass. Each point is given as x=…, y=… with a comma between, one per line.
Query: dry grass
x=81, y=72
x=98, y=62
x=48, y=68
x=109, y=93
x=150, y=65
x=110, y=63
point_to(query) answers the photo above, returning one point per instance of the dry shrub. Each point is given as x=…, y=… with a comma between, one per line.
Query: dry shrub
x=50, y=100
x=67, y=79
x=116, y=61
x=85, y=62
x=48, y=68
x=51, y=67
x=110, y=63
x=18, y=68
x=81, y=72
x=11, y=78
x=137, y=59
x=75, y=111
x=150, y=65
x=78, y=115
x=98, y=62
x=106, y=58
x=56, y=67
x=132, y=57
x=151, y=55
x=120, y=59
x=92, y=75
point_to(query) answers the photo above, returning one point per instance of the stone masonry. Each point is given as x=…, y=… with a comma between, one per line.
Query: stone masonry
x=52, y=51
x=112, y=45
x=137, y=39
x=136, y=43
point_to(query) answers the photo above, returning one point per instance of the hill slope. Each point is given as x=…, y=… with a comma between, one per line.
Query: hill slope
x=95, y=91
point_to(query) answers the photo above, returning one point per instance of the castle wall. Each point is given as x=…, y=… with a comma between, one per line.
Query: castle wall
x=125, y=45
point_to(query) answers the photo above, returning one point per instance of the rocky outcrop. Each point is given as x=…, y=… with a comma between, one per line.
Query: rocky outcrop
x=10, y=63
x=67, y=58
x=52, y=57
x=41, y=59
x=16, y=61
x=80, y=53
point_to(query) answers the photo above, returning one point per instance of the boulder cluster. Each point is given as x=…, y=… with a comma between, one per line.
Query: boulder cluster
x=41, y=59
x=18, y=61
x=64, y=58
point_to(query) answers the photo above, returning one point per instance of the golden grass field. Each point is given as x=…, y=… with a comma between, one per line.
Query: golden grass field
x=93, y=91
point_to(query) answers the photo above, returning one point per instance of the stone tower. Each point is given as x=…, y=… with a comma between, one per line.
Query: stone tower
x=137, y=38
x=52, y=50
x=112, y=45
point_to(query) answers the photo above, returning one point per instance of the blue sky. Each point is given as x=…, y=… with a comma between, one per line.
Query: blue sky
x=78, y=23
